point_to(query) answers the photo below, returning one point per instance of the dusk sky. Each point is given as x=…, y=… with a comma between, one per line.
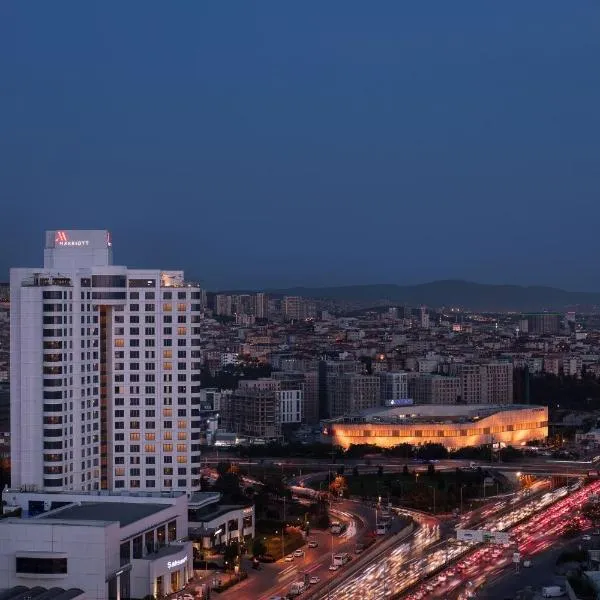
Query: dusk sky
x=276, y=143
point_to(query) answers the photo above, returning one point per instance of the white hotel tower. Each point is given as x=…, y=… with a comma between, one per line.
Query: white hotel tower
x=105, y=369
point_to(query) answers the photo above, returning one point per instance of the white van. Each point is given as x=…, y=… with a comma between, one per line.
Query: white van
x=297, y=588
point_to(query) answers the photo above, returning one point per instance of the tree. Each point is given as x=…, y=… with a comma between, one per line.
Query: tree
x=591, y=511
x=338, y=486
x=230, y=555
x=258, y=547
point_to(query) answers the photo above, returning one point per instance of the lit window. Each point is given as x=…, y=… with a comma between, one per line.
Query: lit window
x=167, y=435
x=181, y=307
x=119, y=472
x=167, y=447
x=181, y=330
x=167, y=366
x=181, y=424
x=167, y=307
x=134, y=437
x=150, y=436
x=181, y=459
x=167, y=412
x=150, y=448
x=182, y=435
x=119, y=343
x=181, y=448
x=167, y=353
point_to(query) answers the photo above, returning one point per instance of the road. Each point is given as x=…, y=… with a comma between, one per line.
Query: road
x=414, y=562
x=275, y=579
x=533, y=529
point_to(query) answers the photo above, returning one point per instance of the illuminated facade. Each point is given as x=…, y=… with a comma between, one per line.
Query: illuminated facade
x=105, y=376
x=454, y=426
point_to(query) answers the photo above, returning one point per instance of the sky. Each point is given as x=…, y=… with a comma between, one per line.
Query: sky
x=270, y=144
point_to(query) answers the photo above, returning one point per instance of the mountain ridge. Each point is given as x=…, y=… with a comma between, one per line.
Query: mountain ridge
x=453, y=293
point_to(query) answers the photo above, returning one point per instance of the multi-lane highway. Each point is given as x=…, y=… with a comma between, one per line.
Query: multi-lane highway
x=414, y=563
x=533, y=528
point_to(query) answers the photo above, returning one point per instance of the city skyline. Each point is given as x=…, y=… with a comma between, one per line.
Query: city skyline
x=261, y=147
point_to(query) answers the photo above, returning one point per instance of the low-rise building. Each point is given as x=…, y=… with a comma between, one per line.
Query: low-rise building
x=108, y=545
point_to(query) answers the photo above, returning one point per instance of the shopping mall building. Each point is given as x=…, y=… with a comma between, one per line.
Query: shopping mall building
x=454, y=426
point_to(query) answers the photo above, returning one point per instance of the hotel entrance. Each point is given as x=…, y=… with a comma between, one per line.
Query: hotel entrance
x=175, y=581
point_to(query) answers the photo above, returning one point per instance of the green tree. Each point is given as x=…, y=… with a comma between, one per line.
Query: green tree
x=230, y=555
x=258, y=547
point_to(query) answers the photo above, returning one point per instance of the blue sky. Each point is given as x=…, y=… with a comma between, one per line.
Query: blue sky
x=271, y=144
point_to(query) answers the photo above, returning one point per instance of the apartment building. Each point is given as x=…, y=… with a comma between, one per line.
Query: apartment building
x=393, y=386
x=352, y=392
x=434, y=389
x=488, y=383
x=308, y=383
x=253, y=410
x=113, y=354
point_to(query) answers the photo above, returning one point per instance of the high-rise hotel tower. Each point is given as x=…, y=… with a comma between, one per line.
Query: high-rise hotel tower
x=105, y=369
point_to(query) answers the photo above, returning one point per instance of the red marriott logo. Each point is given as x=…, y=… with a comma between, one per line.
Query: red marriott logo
x=62, y=239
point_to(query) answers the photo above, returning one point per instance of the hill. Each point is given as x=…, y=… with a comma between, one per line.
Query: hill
x=456, y=293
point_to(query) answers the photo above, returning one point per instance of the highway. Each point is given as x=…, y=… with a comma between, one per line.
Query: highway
x=412, y=564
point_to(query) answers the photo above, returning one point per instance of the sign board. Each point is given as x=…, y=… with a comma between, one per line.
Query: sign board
x=496, y=537
x=469, y=535
x=480, y=535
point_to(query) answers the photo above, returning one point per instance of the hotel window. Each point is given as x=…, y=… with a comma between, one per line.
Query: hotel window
x=134, y=437
x=172, y=531
x=167, y=447
x=167, y=331
x=167, y=366
x=167, y=412
x=167, y=424
x=181, y=424
x=181, y=307
x=182, y=435
x=168, y=482
x=150, y=448
x=167, y=353
x=181, y=459
x=181, y=330
x=119, y=343
x=167, y=435
x=150, y=436
x=119, y=472
x=167, y=307
x=149, y=424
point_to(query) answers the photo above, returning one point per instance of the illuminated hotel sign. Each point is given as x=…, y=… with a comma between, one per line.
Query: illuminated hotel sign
x=62, y=239
x=172, y=564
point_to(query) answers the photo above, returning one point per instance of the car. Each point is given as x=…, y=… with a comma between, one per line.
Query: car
x=298, y=553
x=289, y=558
x=314, y=580
x=586, y=538
x=333, y=567
x=312, y=543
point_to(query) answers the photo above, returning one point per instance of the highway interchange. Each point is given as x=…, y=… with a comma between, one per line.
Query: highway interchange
x=430, y=563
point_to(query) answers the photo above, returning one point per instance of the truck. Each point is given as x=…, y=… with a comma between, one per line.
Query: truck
x=552, y=591
x=297, y=588
x=341, y=559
